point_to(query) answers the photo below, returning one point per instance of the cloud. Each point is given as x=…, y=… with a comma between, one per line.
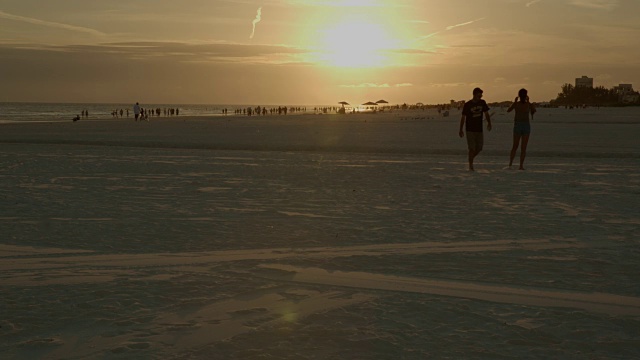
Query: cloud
x=376, y=86
x=172, y=51
x=255, y=21
x=449, y=85
x=56, y=25
x=596, y=4
x=533, y=2
x=379, y=86
x=340, y=3
x=366, y=85
x=413, y=51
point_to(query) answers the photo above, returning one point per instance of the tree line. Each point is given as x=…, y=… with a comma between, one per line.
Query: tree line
x=596, y=96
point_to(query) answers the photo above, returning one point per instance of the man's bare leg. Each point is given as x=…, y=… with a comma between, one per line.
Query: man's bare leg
x=472, y=155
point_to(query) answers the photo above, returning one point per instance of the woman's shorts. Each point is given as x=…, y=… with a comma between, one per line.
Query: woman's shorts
x=521, y=128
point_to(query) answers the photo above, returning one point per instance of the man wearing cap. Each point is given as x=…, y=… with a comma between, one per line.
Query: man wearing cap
x=473, y=112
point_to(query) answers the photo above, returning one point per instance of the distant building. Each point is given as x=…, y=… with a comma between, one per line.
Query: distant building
x=584, y=81
x=624, y=88
x=626, y=94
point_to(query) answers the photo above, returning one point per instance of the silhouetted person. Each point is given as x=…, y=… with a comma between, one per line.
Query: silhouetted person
x=521, y=126
x=76, y=118
x=136, y=111
x=473, y=113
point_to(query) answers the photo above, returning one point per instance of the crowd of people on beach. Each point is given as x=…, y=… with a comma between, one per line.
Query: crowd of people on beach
x=142, y=113
x=474, y=112
x=263, y=110
x=146, y=113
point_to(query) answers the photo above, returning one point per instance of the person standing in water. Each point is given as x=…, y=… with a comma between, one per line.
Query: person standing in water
x=521, y=126
x=473, y=112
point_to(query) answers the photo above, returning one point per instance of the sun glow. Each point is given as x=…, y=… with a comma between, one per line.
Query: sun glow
x=356, y=43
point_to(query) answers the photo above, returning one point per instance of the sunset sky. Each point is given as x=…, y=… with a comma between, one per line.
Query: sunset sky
x=311, y=51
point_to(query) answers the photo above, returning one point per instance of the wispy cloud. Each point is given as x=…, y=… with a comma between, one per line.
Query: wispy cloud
x=50, y=24
x=366, y=85
x=533, y=2
x=413, y=51
x=372, y=85
x=596, y=4
x=450, y=85
x=173, y=51
x=340, y=3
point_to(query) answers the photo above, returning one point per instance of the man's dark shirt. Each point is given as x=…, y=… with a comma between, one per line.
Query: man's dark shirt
x=474, y=112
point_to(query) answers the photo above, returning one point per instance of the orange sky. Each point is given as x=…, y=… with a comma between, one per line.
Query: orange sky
x=311, y=51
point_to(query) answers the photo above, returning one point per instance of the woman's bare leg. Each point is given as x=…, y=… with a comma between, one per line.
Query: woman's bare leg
x=514, y=148
x=523, y=150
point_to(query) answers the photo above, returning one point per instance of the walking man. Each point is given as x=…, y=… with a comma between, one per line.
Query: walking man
x=473, y=113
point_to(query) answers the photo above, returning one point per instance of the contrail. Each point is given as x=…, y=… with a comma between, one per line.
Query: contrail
x=255, y=21
x=463, y=24
x=430, y=35
x=448, y=28
x=29, y=20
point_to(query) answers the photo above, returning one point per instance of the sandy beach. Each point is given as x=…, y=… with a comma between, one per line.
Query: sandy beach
x=320, y=237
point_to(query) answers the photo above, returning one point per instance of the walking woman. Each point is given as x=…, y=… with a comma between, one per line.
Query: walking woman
x=522, y=126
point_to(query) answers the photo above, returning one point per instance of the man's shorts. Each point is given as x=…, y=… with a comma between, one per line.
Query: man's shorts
x=521, y=128
x=475, y=141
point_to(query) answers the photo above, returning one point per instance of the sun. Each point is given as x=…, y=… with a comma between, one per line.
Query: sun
x=356, y=43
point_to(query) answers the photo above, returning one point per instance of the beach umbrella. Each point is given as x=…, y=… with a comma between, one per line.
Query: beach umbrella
x=369, y=104
x=382, y=102
x=343, y=103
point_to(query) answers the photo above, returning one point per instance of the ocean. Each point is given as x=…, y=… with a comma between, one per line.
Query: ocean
x=20, y=112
